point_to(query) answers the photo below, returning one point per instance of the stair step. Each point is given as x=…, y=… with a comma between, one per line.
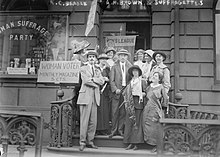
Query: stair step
x=105, y=141
x=103, y=151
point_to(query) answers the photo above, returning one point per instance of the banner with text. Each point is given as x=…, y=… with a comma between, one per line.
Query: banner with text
x=59, y=72
x=118, y=42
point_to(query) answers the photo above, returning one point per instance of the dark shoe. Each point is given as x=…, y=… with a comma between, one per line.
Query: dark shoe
x=135, y=147
x=82, y=147
x=129, y=147
x=93, y=146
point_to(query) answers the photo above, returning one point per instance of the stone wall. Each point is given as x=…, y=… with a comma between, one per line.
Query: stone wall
x=196, y=51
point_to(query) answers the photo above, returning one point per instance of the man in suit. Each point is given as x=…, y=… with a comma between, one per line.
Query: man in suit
x=119, y=78
x=89, y=99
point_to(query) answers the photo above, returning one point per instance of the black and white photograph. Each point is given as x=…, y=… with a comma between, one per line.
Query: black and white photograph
x=109, y=78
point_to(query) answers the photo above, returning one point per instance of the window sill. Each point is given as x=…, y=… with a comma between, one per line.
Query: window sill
x=216, y=88
x=17, y=76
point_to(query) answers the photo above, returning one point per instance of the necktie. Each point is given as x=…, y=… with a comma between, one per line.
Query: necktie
x=93, y=72
x=123, y=68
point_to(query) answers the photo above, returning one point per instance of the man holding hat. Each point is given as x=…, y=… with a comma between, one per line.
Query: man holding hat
x=119, y=78
x=89, y=99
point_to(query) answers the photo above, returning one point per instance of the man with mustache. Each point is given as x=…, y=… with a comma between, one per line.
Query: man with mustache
x=88, y=100
x=119, y=78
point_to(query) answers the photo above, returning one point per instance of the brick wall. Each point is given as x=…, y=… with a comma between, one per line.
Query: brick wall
x=195, y=49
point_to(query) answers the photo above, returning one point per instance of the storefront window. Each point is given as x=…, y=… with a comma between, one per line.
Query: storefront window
x=25, y=40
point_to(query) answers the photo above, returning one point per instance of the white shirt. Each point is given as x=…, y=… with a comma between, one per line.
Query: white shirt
x=123, y=74
x=92, y=66
x=110, y=62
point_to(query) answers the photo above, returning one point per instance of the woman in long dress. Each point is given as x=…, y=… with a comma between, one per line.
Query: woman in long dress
x=104, y=108
x=157, y=99
x=134, y=93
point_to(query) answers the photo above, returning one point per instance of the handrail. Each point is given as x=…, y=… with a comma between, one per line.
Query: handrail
x=190, y=121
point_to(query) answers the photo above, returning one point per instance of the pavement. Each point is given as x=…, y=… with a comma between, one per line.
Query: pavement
x=88, y=152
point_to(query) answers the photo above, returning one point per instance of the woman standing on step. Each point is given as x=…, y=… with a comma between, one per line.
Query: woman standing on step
x=134, y=100
x=156, y=99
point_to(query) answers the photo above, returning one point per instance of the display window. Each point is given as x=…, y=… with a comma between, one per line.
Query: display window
x=27, y=39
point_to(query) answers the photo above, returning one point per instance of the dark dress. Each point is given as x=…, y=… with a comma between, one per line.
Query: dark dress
x=157, y=98
x=134, y=134
x=104, y=108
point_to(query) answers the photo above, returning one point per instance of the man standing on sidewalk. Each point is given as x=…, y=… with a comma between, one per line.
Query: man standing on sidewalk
x=119, y=78
x=89, y=99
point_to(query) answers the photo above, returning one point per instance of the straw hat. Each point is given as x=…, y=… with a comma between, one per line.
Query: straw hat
x=150, y=53
x=140, y=51
x=110, y=49
x=77, y=46
x=161, y=53
x=91, y=52
x=134, y=67
x=122, y=51
x=103, y=56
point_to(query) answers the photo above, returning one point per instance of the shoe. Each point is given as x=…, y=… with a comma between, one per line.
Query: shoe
x=92, y=146
x=154, y=150
x=111, y=135
x=129, y=147
x=135, y=147
x=82, y=147
x=121, y=133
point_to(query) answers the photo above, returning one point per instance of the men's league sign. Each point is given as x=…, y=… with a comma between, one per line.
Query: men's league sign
x=59, y=72
x=118, y=42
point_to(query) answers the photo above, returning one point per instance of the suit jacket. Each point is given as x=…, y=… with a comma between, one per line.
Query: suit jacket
x=116, y=76
x=90, y=85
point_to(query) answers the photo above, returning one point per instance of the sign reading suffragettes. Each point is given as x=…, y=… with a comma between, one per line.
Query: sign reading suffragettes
x=59, y=71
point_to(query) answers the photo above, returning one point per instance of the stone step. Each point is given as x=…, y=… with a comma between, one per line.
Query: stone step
x=105, y=141
x=102, y=151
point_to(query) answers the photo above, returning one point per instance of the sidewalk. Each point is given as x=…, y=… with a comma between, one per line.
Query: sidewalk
x=74, y=152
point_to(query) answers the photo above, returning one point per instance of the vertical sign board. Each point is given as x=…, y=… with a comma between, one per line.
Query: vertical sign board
x=59, y=72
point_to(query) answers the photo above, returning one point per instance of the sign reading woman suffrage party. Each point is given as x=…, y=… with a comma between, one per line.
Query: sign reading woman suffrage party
x=59, y=72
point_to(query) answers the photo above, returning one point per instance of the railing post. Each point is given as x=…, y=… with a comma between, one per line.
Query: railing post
x=160, y=140
x=21, y=148
x=5, y=140
x=61, y=121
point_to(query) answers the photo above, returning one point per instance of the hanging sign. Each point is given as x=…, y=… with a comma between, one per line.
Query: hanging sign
x=59, y=72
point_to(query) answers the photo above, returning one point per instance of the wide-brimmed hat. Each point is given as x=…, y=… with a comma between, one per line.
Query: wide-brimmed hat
x=103, y=56
x=91, y=52
x=140, y=51
x=79, y=45
x=150, y=53
x=161, y=53
x=122, y=51
x=134, y=67
x=108, y=49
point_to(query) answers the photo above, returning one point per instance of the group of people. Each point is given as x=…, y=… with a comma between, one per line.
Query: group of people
x=127, y=99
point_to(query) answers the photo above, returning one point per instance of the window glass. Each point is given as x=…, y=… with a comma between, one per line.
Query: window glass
x=32, y=38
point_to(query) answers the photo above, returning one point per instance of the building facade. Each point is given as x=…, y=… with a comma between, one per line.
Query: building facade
x=187, y=33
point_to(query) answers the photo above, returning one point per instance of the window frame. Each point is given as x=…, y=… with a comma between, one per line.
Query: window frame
x=38, y=13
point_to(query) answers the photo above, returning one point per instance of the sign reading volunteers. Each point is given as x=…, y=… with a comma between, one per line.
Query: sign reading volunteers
x=59, y=72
